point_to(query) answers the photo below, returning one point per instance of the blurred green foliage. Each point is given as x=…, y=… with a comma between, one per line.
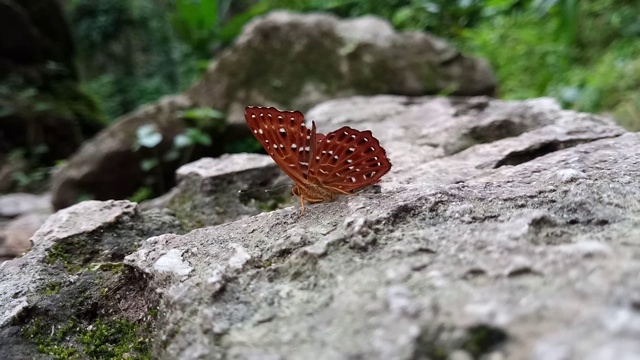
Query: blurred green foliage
x=585, y=53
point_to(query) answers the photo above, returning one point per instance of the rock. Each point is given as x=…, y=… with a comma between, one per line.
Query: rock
x=107, y=167
x=15, y=234
x=74, y=270
x=296, y=61
x=16, y=204
x=275, y=62
x=480, y=249
x=208, y=190
x=21, y=214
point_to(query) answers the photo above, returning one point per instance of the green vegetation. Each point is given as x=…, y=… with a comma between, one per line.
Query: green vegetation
x=59, y=254
x=584, y=53
x=103, y=339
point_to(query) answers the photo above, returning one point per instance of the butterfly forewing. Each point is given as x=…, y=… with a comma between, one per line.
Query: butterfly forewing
x=347, y=160
x=284, y=136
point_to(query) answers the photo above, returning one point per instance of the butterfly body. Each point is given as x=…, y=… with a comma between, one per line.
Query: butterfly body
x=321, y=166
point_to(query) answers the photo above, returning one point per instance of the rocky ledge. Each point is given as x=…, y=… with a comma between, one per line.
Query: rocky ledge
x=505, y=230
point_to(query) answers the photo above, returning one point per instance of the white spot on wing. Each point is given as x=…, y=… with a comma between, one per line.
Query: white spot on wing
x=293, y=146
x=260, y=131
x=282, y=131
x=353, y=179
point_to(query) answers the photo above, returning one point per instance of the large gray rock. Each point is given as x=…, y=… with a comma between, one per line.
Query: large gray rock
x=505, y=230
x=70, y=293
x=296, y=61
x=285, y=59
x=215, y=191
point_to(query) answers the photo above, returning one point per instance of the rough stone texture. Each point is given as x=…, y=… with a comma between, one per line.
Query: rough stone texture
x=505, y=230
x=284, y=59
x=73, y=273
x=207, y=192
x=296, y=61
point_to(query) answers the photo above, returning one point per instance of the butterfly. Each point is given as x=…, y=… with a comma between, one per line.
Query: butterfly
x=321, y=166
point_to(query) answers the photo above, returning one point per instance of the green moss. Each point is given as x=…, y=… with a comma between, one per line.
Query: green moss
x=113, y=267
x=52, y=288
x=272, y=203
x=153, y=312
x=115, y=340
x=103, y=339
x=57, y=254
x=51, y=342
x=182, y=209
x=482, y=339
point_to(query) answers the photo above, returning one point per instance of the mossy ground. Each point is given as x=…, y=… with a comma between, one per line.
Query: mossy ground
x=105, y=338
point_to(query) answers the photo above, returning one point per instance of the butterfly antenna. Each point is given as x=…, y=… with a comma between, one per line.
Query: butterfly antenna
x=265, y=189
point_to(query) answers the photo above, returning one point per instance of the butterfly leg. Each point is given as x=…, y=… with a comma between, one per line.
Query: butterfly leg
x=302, y=203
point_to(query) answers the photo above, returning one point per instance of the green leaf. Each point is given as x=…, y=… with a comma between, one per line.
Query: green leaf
x=234, y=26
x=199, y=137
x=148, y=164
x=171, y=155
x=202, y=113
x=147, y=136
x=182, y=141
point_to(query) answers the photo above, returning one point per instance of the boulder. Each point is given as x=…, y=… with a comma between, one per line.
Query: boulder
x=214, y=191
x=21, y=215
x=74, y=274
x=293, y=61
x=107, y=166
x=505, y=230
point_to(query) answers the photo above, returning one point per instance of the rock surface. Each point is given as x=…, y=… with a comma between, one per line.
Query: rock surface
x=296, y=61
x=505, y=230
x=293, y=61
x=209, y=190
x=72, y=281
x=21, y=215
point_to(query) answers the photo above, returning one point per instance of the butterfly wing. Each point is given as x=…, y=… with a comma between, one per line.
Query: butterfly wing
x=284, y=136
x=347, y=160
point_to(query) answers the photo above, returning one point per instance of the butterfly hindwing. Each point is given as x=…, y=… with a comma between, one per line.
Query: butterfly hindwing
x=349, y=160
